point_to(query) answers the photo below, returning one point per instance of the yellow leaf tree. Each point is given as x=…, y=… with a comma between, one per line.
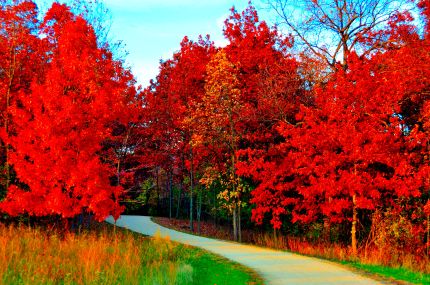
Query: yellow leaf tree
x=218, y=114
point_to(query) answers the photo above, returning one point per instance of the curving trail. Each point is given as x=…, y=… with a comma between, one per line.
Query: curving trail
x=276, y=267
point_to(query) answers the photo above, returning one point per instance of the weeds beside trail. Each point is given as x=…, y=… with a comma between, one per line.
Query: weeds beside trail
x=35, y=256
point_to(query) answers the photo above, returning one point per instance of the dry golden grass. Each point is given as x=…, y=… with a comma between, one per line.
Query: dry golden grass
x=31, y=256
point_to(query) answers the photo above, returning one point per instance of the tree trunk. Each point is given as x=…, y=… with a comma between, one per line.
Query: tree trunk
x=234, y=223
x=428, y=234
x=326, y=230
x=6, y=123
x=215, y=207
x=191, y=191
x=179, y=200
x=354, y=227
x=275, y=237
x=157, y=189
x=239, y=224
x=199, y=211
x=169, y=185
x=428, y=216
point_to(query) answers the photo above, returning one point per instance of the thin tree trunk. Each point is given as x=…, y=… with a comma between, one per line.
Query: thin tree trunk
x=236, y=212
x=158, y=190
x=275, y=237
x=326, y=230
x=215, y=207
x=428, y=216
x=191, y=191
x=122, y=156
x=354, y=227
x=179, y=199
x=6, y=123
x=239, y=224
x=234, y=223
x=170, y=194
x=428, y=234
x=199, y=211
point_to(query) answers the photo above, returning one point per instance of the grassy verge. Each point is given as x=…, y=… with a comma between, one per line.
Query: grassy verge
x=213, y=269
x=390, y=273
x=35, y=256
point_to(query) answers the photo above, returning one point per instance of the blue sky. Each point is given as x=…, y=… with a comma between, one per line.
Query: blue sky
x=152, y=30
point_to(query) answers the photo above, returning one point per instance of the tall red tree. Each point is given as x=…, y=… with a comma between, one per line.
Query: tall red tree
x=63, y=121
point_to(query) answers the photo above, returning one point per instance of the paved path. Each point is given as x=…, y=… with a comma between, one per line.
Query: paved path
x=276, y=267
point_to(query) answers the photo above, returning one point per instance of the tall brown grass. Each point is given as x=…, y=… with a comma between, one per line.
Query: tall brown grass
x=33, y=256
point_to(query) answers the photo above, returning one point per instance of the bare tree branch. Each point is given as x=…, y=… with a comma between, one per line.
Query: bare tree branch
x=331, y=29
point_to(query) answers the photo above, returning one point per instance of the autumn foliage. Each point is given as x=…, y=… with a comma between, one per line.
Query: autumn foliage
x=257, y=130
x=59, y=109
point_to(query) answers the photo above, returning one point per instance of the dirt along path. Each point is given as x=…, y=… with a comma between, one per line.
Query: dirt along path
x=276, y=267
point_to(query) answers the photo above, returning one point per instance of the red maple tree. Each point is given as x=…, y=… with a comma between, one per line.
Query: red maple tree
x=62, y=121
